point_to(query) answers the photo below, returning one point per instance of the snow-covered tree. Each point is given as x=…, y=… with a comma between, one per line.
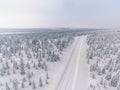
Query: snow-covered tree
x=22, y=84
x=34, y=86
x=15, y=85
x=22, y=68
x=7, y=87
x=40, y=82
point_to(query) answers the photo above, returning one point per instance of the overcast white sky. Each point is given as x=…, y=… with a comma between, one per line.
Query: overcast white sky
x=59, y=13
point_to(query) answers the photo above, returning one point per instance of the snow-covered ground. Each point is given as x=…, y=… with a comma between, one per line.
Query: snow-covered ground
x=60, y=61
x=67, y=74
x=57, y=69
x=32, y=61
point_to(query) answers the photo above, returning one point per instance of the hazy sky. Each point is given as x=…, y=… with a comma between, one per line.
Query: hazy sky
x=60, y=13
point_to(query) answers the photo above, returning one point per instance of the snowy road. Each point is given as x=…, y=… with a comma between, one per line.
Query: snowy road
x=75, y=75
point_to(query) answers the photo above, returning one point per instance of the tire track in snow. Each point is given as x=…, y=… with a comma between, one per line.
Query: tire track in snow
x=77, y=66
x=62, y=80
x=69, y=82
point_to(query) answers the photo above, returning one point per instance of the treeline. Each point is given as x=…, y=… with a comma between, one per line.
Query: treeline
x=104, y=60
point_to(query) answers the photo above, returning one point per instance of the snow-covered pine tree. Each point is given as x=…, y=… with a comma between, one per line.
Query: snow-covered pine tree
x=30, y=83
x=34, y=86
x=40, y=82
x=46, y=81
x=28, y=65
x=14, y=71
x=34, y=65
x=22, y=84
x=7, y=87
x=22, y=68
x=24, y=79
x=15, y=85
x=45, y=67
x=39, y=61
x=8, y=72
x=47, y=76
x=2, y=71
x=6, y=63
